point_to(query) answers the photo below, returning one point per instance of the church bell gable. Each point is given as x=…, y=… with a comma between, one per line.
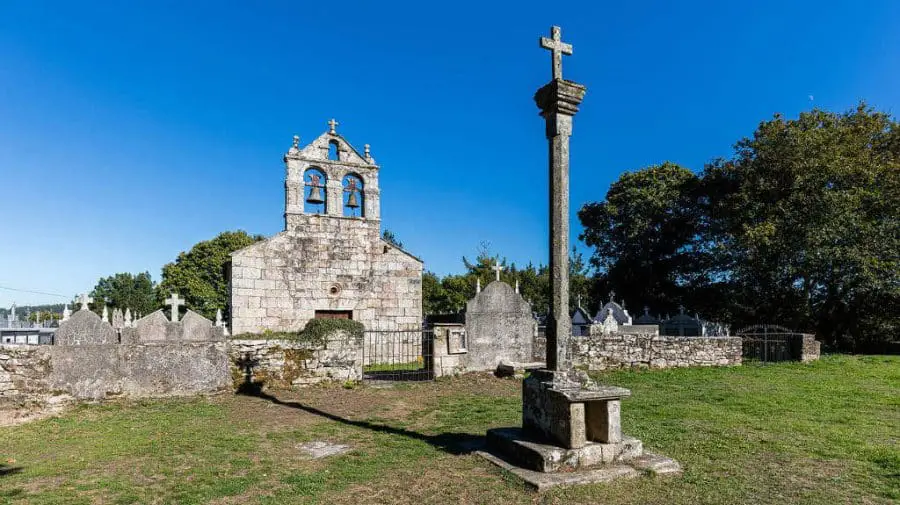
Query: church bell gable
x=331, y=178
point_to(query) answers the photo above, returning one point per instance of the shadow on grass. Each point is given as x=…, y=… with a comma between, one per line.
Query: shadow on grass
x=9, y=470
x=453, y=443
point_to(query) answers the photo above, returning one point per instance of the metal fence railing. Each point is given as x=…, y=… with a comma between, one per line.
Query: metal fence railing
x=402, y=355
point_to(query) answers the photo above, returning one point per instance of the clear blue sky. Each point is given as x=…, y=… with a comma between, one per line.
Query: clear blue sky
x=131, y=130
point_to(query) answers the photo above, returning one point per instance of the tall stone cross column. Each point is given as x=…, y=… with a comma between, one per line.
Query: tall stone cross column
x=558, y=101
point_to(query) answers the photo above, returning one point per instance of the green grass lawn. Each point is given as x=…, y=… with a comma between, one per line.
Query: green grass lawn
x=822, y=433
x=409, y=366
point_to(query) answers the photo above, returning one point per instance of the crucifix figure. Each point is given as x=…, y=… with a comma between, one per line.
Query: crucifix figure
x=333, y=125
x=557, y=48
x=175, y=302
x=497, y=268
x=84, y=300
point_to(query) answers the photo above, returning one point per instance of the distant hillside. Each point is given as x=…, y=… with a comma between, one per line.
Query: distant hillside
x=21, y=310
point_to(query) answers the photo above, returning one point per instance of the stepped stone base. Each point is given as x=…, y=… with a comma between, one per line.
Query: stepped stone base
x=534, y=454
x=544, y=465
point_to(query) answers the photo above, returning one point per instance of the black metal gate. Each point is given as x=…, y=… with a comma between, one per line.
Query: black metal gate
x=401, y=355
x=768, y=343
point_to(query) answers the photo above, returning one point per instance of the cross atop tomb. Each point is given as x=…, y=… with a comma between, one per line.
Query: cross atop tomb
x=497, y=268
x=557, y=48
x=175, y=302
x=333, y=125
x=84, y=300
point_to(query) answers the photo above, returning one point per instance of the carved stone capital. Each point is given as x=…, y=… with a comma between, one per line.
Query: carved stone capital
x=560, y=97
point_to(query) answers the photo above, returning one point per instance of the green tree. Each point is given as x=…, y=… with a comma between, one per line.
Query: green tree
x=125, y=290
x=806, y=222
x=389, y=237
x=450, y=294
x=645, y=236
x=199, y=274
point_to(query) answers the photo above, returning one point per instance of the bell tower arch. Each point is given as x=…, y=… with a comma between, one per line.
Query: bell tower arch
x=329, y=178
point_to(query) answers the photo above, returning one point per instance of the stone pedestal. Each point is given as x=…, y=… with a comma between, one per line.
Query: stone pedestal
x=571, y=434
x=570, y=412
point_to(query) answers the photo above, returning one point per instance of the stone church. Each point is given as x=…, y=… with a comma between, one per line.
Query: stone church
x=330, y=261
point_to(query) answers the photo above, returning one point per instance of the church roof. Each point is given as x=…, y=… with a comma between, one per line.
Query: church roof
x=404, y=251
x=581, y=316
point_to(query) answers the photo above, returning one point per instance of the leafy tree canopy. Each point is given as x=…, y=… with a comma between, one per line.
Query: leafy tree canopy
x=125, y=290
x=801, y=227
x=199, y=274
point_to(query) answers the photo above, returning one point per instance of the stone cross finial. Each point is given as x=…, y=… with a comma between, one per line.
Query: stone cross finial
x=296, y=143
x=557, y=48
x=333, y=125
x=612, y=295
x=497, y=268
x=367, y=147
x=66, y=312
x=681, y=309
x=646, y=310
x=84, y=300
x=175, y=302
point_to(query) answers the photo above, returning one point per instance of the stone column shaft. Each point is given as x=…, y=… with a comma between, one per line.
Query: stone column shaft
x=559, y=102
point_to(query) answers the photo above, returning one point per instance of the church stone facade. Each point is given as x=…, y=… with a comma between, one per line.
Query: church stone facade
x=330, y=261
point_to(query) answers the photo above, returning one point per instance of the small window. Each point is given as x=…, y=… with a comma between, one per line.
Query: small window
x=334, y=151
x=334, y=314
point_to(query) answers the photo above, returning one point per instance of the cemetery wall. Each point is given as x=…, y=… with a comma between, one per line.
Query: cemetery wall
x=599, y=352
x=24, y=373
x=103, y=371
x=325, y=263
x=286, y=363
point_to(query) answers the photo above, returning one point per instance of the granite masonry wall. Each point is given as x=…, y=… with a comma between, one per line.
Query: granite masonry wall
x=626, y=349
x=288, y=363
x=91, y=360
x=601, y=352
x=24, y=373
x=809, y=348
x=326, y=264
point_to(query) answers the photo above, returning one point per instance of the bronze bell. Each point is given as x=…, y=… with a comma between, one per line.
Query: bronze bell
x=315, y=195
x=315, y=190
x=352, y=200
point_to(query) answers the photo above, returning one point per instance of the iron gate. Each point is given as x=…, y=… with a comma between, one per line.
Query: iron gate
x=768, y=343
x=399, y=355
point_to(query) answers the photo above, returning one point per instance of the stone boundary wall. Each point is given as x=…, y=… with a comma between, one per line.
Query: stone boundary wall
x=288, y=363
x=34, y=376
x=150, y=369
x=601, y=352
x=24, y=374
